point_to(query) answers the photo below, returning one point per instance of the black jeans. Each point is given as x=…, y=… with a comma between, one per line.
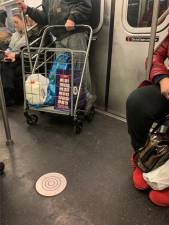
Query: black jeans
x=144, y=106
x=11, y=74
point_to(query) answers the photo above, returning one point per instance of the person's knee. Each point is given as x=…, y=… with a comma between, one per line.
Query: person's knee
x=134, y=102
x=77, y=41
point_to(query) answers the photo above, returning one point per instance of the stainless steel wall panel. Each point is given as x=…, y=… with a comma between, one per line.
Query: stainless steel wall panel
x=99, y=57
x=128, y=60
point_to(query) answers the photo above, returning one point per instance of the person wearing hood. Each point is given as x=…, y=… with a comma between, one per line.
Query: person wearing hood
x=145, y=105
x=67, y=13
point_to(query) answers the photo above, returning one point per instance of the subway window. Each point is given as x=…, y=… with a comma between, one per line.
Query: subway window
x=2, y=1
x=8, y=8
x=140, y=12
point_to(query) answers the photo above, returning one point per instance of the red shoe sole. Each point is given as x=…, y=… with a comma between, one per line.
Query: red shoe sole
x=160, y=198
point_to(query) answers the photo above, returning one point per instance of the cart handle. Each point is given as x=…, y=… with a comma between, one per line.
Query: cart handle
x=63, y=26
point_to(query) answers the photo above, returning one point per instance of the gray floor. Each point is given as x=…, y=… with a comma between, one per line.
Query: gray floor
x=95, y=163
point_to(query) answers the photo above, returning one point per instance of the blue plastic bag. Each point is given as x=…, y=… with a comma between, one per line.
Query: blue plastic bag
x=60, y=64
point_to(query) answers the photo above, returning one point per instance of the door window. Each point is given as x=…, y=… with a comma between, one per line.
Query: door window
x=139, y=13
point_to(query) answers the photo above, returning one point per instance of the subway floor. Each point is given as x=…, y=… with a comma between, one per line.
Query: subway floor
x=95, y=163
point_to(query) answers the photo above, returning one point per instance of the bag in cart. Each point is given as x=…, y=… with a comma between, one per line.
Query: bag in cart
x=64, y=80
x=36, y=89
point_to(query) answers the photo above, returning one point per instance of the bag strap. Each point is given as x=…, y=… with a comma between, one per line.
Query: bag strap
x=160, y=123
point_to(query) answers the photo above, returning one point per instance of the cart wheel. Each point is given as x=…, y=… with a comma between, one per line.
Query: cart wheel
x=32, y=119
x=91, y=114
x=78, y=126
x=2, y=167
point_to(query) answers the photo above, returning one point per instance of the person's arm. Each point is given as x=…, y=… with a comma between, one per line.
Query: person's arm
x=81, y=12
x=159, y=73
x=158, y=66
x=164, y=87
x=39, y=16
x=158, y=78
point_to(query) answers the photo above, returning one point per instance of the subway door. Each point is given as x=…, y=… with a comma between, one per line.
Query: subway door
x=99, y=49
x=130, y=48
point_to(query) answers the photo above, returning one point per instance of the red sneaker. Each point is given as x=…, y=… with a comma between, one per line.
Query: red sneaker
x=138, y=180
x=160, y=198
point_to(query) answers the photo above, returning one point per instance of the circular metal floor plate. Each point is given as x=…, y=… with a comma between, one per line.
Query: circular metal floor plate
x=51, y=184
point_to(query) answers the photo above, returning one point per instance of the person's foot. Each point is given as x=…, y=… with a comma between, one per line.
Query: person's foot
x=138, y=180
x=160, y=198
x=90, y=100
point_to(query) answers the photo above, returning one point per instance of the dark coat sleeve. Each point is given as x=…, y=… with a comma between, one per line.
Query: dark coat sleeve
x=39, y=16
x=159, y=57
x=81, y=12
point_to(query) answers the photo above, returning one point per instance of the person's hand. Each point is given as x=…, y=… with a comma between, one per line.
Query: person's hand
x=164, y=86
x=10, y=56
x=22, y=6
x=70, y=25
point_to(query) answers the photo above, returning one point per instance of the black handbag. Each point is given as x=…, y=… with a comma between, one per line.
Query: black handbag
x=156, y=151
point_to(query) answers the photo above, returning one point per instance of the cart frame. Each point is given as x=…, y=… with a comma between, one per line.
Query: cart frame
x=78, y=115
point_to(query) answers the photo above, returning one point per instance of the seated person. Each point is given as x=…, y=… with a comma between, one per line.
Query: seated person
x=11, y=69
x=5, y=34
x=146, y=105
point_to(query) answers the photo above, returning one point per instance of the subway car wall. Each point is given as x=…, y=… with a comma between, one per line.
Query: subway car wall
x=130, y=44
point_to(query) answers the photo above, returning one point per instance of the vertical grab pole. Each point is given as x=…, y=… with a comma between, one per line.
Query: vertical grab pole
x=4, y=114
x=153, y=36
x=27, y=40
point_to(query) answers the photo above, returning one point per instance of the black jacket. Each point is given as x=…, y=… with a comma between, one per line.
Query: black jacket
x=56, y=12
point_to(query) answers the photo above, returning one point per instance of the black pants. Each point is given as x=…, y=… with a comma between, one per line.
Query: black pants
x=11, y=74
x=144, y=106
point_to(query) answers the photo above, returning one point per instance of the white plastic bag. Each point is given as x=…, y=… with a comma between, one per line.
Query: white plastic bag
x=158, y=179
x=36, y=87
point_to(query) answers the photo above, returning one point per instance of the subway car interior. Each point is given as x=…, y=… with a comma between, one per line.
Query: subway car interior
x=93, y=157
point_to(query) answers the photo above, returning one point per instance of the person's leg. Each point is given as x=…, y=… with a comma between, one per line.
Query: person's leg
x=18, y=81
x=7, y=75
x=144, y=106
x=8, y=82
x=78, y=41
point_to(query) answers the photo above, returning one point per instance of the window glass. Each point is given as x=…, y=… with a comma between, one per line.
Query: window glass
x=9, y=11
x=140, y=12
x=2, y=1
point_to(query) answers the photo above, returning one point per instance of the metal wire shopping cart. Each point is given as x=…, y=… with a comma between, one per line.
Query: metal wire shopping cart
x=53, y=80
